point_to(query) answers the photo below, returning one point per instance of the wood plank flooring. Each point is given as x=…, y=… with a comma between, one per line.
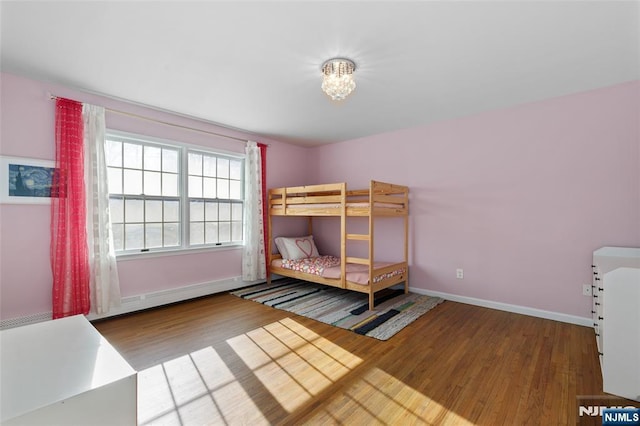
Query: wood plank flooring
x=224, y=360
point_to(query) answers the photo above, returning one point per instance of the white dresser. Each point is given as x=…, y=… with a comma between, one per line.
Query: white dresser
x=616, y=318
x=63, y=372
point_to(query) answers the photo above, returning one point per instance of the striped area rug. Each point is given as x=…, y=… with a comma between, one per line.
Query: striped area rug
x=393, y=310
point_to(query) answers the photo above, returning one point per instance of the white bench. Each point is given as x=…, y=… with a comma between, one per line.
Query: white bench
x=64, y=372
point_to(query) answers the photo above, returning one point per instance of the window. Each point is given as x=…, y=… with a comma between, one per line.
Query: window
x=215, y=199
x=167, y=196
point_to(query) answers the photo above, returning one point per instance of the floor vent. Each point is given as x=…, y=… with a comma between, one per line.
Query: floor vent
x=20, y=321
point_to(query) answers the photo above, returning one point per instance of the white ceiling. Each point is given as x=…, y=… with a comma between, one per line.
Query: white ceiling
x=255, y=66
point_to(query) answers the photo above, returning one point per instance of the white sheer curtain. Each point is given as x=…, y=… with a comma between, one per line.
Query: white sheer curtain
x=104, y=282
x=253, y=257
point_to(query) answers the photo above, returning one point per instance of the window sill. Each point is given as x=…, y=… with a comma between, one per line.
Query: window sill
x=175, y=252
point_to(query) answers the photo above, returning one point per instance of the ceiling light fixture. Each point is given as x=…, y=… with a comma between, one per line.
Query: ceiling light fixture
x=337, y=78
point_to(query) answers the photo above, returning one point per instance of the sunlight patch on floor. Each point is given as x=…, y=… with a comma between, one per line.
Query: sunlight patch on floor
x=379, y=398
x=292, y=362
x=282, y=362
x=286, y=363
x=197, y=388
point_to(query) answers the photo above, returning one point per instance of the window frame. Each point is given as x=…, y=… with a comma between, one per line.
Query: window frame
x=184, y=220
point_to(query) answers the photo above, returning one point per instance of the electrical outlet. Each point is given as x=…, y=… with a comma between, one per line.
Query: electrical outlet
x=586, y=290
x=459, y=273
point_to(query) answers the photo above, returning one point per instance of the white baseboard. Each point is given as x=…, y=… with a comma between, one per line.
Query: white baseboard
x=158, y=298
x=524, y=310
x=145, y=301
x=164, y=297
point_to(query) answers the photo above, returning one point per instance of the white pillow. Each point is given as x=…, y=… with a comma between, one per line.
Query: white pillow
x=297, y=247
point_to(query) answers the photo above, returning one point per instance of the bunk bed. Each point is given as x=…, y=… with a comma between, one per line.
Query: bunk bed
x=364, y=275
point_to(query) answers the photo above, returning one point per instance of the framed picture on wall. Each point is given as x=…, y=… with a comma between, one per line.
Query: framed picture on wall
x=25, y=180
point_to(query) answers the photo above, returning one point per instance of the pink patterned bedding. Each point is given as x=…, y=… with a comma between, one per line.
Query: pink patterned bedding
x=311, y=265
x=329, y=267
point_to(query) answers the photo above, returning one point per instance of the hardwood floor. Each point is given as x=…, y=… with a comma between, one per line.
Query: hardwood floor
x=224, y=360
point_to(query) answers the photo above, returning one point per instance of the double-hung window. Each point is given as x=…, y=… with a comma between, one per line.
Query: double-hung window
x=167, y=196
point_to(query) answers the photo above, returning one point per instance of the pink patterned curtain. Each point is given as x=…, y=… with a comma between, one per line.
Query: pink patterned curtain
x=69, y=252
x=254, y=257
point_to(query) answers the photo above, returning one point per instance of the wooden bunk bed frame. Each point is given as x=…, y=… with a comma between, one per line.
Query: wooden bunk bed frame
x=378, y=201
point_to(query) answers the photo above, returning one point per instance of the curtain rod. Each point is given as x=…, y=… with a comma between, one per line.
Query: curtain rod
x=166, y=123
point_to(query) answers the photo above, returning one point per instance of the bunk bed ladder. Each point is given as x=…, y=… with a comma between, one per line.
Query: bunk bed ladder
x=371, y=254
x=367, y=238
x=343, y=235
x=406, y=242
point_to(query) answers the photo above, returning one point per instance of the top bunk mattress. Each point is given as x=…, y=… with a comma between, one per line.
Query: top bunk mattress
x=361, y=204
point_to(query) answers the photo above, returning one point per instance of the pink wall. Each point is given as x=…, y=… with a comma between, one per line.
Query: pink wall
x=519, y=198
x=27, y=131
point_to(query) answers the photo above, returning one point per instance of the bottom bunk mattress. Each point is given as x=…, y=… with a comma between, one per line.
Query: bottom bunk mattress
x=329, y=267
